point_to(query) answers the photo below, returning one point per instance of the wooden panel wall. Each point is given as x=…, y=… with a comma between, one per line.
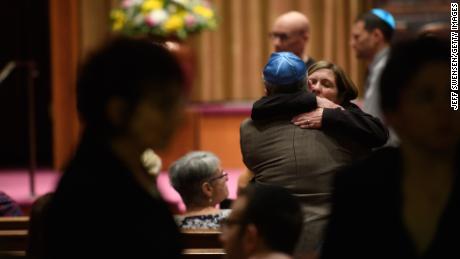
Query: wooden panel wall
x=220, y=134
x=77, y=27
x=65, y=49
x=184, y=140
x=217, y=131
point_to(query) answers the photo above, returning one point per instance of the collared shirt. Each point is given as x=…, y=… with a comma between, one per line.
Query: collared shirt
x=372, y=91
x=372, y=94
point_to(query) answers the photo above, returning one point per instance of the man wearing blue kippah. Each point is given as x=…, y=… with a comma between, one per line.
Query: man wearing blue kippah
x=301, y=160
x=370, y=39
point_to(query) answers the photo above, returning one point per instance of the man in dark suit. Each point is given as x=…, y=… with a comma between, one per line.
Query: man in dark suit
x=280, y=153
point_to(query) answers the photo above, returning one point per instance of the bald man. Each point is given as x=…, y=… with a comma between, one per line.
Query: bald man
x=291, y=32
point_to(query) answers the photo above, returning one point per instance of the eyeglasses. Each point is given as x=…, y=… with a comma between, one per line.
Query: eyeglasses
x=224, y=174
x=282, y=36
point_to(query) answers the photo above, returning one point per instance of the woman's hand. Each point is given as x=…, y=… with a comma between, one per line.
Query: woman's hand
x=309, y=120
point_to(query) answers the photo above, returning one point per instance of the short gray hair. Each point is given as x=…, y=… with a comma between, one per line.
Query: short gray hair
x=290, y=88
x=189, y=172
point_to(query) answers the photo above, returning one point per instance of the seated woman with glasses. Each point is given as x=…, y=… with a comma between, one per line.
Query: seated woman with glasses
x=202, y=184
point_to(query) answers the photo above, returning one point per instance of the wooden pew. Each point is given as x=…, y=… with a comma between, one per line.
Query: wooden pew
x=201, y=238
x=203, y=253
x=202, y=244
x=13, y=243
x=13, y=236
x=14, y=223
x=198, y=244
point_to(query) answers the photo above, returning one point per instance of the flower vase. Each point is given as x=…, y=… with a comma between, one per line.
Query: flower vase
x=184, y=53
x=186, y=57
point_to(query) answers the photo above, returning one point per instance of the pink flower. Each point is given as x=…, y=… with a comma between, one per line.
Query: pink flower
x=127, y=3
x=190, y=21
x=150, y=21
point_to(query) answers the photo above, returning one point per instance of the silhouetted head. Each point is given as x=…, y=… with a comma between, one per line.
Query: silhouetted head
x=128, y=87
x=416, y=95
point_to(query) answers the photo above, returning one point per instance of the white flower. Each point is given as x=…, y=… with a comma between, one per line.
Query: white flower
x=151, y=161
x=156, y=17
x=138, y=19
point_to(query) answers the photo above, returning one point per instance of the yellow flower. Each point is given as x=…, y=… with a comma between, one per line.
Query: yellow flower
x=119, y=18
x=203, y=11
x=181, y=13
x=150, y=5
x=174, y=23
x=183, y=2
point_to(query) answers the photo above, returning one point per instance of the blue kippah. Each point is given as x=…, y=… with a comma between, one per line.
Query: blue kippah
x=284, y=68
x=385, y=16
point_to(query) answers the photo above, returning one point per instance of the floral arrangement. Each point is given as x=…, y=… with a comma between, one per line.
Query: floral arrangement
x=163, y=18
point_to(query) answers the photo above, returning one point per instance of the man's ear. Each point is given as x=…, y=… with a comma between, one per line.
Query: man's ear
x=207, y=189
x=251, y=240
x=305, y=36
x=377, y=34
x=116, y=111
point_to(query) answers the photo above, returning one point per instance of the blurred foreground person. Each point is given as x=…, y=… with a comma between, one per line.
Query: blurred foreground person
x=265, y=223
x=403, y=202
x=130, y=98
x=36, y=231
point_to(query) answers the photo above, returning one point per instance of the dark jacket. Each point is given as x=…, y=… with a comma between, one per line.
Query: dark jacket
x=352, y=121
x=302, y=160
x=366, y=219
x=100, y=211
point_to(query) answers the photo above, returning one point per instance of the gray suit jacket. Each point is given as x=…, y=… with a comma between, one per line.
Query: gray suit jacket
x=302, y=160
